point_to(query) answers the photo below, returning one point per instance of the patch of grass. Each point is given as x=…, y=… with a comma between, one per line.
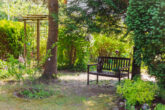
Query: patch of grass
x=67, y=95
x=34, y=93
x=60, y=100
x=101, y=102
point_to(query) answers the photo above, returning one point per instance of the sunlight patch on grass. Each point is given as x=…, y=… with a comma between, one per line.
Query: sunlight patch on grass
x=61, y=100
x=101, y=102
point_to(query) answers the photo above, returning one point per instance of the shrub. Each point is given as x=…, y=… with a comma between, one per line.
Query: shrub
x=162, y=93
x=3, y=15
x=137, y=92
x=11, y=38
x=3, y=69
x=36, y=91
x=17, y=68
x=72, y=50
x=109, y=46
x=160, y=107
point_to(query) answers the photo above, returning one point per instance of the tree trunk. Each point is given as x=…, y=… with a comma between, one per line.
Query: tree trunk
x=51, y=63
x=135, y=66
x=65, y=1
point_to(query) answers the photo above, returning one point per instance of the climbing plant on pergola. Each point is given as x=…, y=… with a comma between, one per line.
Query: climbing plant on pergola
x=33, y=19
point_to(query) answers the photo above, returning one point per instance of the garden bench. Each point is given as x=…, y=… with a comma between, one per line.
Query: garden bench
x=111, y=67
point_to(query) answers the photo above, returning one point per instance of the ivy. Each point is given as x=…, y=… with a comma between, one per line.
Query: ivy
x=146, y=18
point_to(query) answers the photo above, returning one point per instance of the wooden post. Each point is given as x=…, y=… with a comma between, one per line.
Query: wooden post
x=38, y=40
x=25, y=39
x=65, y=1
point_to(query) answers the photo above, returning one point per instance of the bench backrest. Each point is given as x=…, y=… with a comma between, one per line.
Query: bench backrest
x=109, y=63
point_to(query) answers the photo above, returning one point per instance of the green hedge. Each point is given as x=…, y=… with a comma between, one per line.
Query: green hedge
x=11, y=38
x=146, y=18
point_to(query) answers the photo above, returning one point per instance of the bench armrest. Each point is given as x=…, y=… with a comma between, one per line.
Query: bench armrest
x=90, y=65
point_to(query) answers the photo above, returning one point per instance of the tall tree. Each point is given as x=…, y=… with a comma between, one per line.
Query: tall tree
x=51, y=63
x=101, y=16
x=146, y=19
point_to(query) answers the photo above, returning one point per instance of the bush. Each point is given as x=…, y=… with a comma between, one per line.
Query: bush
x=11, y=38
x=35, y=92
x=72, y=50
x=3, y=69
x=109, y=46
x=3, y=15
x=17, y=68
x=162, y=94
x=137, y=92
x=160, y=107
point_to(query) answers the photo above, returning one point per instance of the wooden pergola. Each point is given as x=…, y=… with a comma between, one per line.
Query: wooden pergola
x=38, y=19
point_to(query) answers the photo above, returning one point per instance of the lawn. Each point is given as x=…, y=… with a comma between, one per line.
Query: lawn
x=70, y=93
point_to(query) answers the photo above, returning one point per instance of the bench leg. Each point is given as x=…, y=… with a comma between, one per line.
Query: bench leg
x=128, y=74
x=119, y=79
x=97, y=80
x=88, y=79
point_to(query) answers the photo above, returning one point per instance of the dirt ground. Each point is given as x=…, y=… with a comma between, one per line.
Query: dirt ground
x=73, y=94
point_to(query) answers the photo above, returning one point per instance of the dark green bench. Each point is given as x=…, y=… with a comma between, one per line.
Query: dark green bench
x=111, y=67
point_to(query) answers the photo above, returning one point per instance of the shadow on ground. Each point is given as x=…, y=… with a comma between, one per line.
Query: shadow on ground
x=71, y=93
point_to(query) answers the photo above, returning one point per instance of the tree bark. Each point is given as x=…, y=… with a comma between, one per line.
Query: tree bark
x=51, y=63
x=65, y=1
x=135, y=66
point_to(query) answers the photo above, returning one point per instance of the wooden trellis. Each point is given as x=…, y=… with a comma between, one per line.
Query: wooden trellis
x=37, y=19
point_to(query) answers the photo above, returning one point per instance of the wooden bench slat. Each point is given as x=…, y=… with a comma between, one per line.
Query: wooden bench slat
x=110, y=63
x=111, y=74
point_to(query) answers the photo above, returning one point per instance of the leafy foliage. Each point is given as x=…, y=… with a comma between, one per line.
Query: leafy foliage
x=102, y=45
x=11, y=38
x=3, y=15
x=137, y=92
x=18, y=69
x=159, y=107
x=98, y=15
x=15, y=68
x=162, y=93
x=3, y=69
x=146, y=18
x=72, y=50
x=80, y=19
x=37, y=92
x=17, y=8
